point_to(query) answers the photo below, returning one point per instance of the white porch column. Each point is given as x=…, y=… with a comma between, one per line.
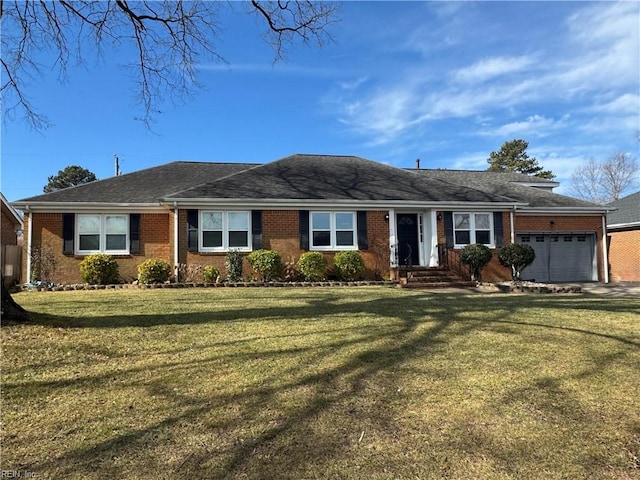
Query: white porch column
x=433, y=240
x=393, y=239
x=605, y=256
x=29, y=240
x=176, y=237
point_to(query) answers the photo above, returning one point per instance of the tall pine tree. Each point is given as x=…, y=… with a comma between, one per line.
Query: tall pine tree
x=513, y=157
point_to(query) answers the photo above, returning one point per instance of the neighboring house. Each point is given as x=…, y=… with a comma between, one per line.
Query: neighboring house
x=623, y=227
x=11, y=250
x=190, y=213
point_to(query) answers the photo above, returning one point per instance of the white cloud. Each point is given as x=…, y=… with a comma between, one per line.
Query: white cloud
x=489, y=68
x=587, y=70
x=533, y=126
x=353, y=84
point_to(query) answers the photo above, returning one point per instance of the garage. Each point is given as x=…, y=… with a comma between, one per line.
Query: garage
x=561, y=257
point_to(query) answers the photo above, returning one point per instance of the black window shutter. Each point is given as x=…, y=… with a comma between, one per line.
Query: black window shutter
x=192, y=230
x=134, y=233
x=498, y=232
x=363, y=241
x=304, y=229
x=448, y=228
x=68, y=230
x=256, y=229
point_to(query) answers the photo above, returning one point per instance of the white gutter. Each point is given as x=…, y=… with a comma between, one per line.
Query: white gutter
x=287, y=204
x=605, y=255
x=74, y=207
x=29, y=238
x=623, y=225
x=568, y=211
x=176, y=257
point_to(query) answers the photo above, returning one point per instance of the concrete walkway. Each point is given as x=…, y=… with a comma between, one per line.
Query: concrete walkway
x=631, y=289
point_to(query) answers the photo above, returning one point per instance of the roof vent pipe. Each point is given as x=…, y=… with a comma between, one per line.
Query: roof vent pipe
x=417, y=164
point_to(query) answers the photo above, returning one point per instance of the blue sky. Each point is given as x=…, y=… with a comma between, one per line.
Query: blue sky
x=446, y=82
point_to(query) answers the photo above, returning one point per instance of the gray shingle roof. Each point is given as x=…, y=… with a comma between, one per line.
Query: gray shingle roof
x=309, y=177
x=508, y=185
x=330, y=177
x=628, y=210
x=143, y=186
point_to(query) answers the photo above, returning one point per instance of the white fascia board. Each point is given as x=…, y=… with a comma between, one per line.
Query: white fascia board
x=568, y=211
x=292, y=204
x=620, y=226
x=76, y=207
x=547, y=185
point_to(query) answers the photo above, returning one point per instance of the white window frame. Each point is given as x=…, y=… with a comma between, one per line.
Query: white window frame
x=102, y=234
x=472, y=229
x=225, y=231
x=333, y=243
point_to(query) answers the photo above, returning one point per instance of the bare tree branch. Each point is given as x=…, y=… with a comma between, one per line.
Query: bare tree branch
x=170, y=39
x=605, y=181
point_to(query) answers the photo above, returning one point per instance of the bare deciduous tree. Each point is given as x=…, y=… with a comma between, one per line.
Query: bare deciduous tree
x=169, y=40
x=605, y=181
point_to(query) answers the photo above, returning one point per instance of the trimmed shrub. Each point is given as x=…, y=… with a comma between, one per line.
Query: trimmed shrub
x=233, y=264
x=476, y=256
x=313, y=266
x=266, y=263
x=210, y=274
x=518, y=256
x=154, y=270
x=99, y=269
x=349, y=265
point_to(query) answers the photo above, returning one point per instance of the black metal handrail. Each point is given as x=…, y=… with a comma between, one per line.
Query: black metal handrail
x=449, y=258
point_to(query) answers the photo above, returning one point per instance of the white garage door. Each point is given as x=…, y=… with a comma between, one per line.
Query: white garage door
x=561, y=258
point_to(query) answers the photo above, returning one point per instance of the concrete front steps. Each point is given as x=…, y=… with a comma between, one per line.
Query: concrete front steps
x=432, y=277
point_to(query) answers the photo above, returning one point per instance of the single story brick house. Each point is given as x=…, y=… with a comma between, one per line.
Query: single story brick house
x=191, y=213
x=623, y=227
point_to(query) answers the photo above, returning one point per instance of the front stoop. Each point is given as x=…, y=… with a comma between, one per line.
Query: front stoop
x=432, y=277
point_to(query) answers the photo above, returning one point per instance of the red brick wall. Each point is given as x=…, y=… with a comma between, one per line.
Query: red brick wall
x=154, y=243
x=624, y=256
x=561, y=223
x=281, y=232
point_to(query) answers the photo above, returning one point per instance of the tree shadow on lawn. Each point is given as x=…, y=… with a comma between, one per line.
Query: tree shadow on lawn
x=318, y=307
x=252, y=433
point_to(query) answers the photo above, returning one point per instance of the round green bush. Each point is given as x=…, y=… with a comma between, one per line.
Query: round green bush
x=266, y=263
x=349, y=265
x=154, y=270
x=99, y=269
x=518, y=256
x=313, y=266
x=477, y=256
x=210, y=274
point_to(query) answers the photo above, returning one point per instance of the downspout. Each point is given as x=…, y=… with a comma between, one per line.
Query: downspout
x=29, y=238
x=605, y=256
x=176, y=256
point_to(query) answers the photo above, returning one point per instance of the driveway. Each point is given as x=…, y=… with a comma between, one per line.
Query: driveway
x=630, y=289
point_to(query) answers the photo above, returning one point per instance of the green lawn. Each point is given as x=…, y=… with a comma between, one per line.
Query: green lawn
x=325, y=383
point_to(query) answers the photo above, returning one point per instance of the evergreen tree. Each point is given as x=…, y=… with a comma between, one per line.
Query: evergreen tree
x=69, y=177
x=513, y=157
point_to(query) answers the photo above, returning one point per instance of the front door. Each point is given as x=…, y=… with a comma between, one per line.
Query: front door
x=408, y=239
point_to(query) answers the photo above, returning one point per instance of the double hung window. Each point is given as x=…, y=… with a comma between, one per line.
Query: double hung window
x=333, y=231
x=471, y=228
x=224, y=230
x=102, y=233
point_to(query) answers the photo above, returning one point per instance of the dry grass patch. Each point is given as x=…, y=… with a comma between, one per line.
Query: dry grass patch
x=367, y=382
